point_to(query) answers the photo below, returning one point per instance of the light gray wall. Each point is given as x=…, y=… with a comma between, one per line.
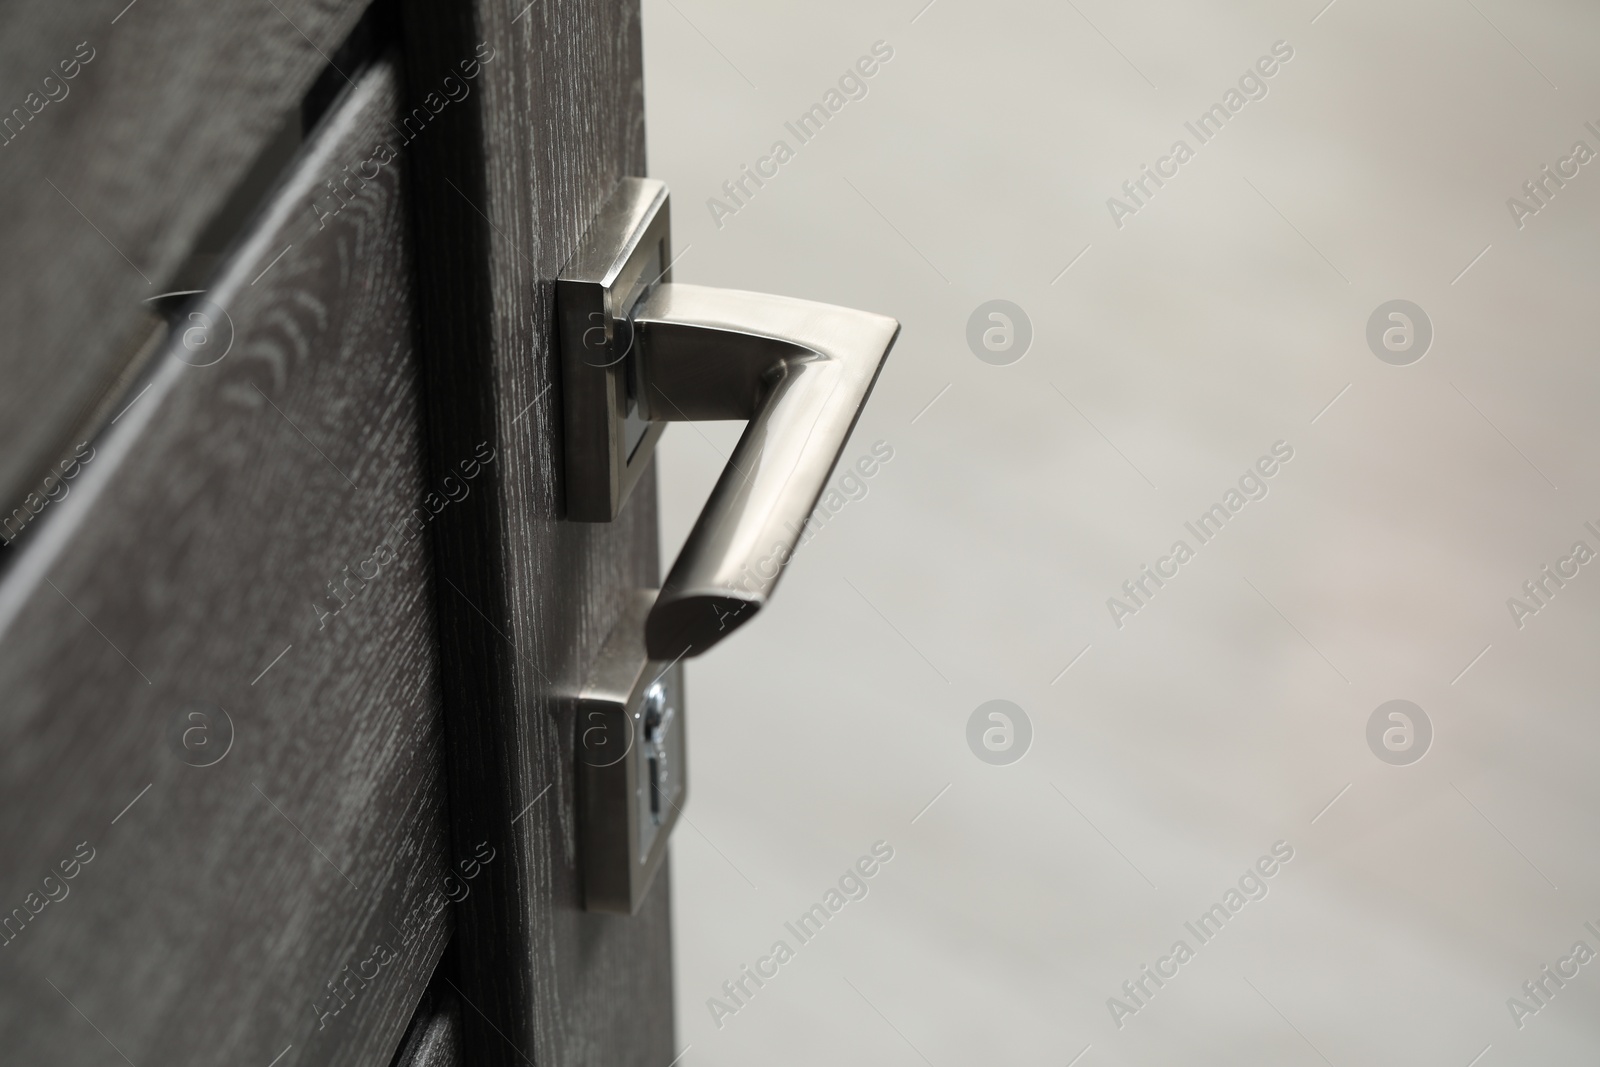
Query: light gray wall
x=1222, y=317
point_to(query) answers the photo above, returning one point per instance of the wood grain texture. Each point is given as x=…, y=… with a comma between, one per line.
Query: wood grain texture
x=109, y=176
x=434, y=1037
x=189, y=569
x=510, y=177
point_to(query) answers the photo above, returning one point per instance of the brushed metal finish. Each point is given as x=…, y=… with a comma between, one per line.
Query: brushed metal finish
x=639, y=351
x=632, y=778
x=800, y=372
x=624, y=249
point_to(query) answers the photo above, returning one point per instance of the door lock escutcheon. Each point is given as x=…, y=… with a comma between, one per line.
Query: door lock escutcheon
x=639, y=351
x=632, y=776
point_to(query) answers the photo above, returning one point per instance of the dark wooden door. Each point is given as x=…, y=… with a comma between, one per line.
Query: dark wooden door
x=309, y=516
x=511, y=177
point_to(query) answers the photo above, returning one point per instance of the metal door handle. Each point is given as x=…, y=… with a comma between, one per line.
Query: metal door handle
x=640, y=351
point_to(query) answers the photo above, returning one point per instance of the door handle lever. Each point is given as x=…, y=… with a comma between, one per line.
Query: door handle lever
x=639, y=351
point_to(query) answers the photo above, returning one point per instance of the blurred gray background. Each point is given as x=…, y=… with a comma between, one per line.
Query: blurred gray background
x=1229, y=312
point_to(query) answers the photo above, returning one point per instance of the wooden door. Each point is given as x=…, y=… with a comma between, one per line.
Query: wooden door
x=510, y=178
x=310, y=516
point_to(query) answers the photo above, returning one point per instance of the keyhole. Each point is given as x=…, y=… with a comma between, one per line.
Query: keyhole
x=657, y=721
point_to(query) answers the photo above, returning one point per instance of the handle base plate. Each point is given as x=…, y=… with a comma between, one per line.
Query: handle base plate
x=608, y=441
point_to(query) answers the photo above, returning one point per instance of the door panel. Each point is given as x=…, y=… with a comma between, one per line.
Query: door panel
x=512, y=175
x=123, y=127
x=221, y=806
